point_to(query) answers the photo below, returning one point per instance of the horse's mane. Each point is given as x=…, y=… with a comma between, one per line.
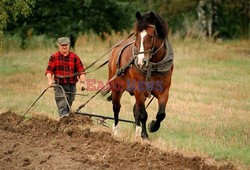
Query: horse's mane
x=155, y=19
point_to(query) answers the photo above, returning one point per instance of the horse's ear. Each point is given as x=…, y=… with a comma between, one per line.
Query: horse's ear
x=152, y=16
x=138, y=15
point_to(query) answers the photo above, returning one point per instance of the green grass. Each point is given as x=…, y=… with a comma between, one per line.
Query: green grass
x=208, y=112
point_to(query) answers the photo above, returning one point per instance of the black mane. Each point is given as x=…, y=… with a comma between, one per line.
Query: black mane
x=152, y=18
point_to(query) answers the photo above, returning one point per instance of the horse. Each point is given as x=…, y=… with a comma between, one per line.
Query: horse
x=142, y=66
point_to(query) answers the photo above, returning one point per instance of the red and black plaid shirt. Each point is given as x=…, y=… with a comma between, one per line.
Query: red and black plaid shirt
x=60, y=65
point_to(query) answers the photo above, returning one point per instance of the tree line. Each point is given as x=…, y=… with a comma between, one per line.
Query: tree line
x=54, y=18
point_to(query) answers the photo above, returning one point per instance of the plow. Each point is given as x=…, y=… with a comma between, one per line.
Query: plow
x=102, y=117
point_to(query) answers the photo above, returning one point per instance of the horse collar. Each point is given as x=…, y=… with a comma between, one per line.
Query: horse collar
x=160, y=67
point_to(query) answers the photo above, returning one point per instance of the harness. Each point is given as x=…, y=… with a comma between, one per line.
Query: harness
x=160, y=67
x=121, y=70
x=149, y=67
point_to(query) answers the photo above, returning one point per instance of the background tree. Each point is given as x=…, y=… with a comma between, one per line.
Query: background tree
x=9, y=12
x=222, y=18
x=54, y=18
x=234, y=18
x=208, y=16
x=70, y=18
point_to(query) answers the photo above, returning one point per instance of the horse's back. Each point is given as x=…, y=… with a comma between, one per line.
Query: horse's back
x=120, y=55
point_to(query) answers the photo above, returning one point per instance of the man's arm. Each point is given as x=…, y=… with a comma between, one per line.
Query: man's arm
x=81, y=70
x=82, y=82
x=50, y=79
x=50, y=70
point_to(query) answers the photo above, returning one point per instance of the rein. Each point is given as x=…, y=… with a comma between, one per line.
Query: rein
x=93, y=63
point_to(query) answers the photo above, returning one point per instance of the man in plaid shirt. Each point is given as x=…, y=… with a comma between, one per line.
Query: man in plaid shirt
x=62, y=69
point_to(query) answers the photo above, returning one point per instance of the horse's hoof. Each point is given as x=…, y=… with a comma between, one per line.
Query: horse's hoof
x=153, y=126
x=138, y=131
x=115, y=130
x=144, y=136
x=109, y=98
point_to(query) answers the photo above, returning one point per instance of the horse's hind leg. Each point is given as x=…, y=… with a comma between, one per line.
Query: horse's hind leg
x=137, y=122
x=141, y=115
x=116, y=97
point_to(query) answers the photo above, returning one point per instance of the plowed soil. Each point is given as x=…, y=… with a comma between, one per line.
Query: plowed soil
x=41, y=143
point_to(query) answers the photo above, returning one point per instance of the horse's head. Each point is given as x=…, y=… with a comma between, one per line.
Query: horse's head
x=150, y=32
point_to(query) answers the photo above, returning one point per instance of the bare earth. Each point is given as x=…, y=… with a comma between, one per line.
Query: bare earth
x=41, y=143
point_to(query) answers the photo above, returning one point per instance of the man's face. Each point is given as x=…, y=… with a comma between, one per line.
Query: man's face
x=64, y=48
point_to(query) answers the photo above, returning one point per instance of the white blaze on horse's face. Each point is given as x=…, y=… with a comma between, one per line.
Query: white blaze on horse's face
x=141, y=56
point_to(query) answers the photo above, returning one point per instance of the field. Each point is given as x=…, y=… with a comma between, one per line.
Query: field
x=208, y=113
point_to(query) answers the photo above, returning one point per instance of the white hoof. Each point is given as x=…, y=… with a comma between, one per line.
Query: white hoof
x=115, y=130
x=138, y=131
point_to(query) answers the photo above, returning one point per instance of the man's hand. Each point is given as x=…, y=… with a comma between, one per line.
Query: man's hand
x=50, y=79
x=83, y=85
x=51, y=82
x=83, y=82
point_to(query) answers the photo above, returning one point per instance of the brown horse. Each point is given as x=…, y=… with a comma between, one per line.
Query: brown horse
x=143, y=67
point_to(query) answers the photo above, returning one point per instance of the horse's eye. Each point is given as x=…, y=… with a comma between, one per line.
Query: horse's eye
x=151, y=36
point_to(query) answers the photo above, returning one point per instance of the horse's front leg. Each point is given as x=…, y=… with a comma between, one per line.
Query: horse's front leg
x=140, y=115
x=161, y=114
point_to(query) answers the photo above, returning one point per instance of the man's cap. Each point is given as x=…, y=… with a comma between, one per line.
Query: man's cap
x=63, y=40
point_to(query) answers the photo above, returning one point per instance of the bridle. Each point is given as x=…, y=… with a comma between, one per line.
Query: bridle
x=151, y=50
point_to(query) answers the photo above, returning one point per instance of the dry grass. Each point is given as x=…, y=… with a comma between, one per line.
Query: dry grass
x=208, y=112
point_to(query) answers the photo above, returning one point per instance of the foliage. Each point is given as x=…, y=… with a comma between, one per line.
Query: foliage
x=10, y=10
x=71, y=18
x=235, y=18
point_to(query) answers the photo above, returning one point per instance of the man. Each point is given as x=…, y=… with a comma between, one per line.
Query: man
x=63, y=68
